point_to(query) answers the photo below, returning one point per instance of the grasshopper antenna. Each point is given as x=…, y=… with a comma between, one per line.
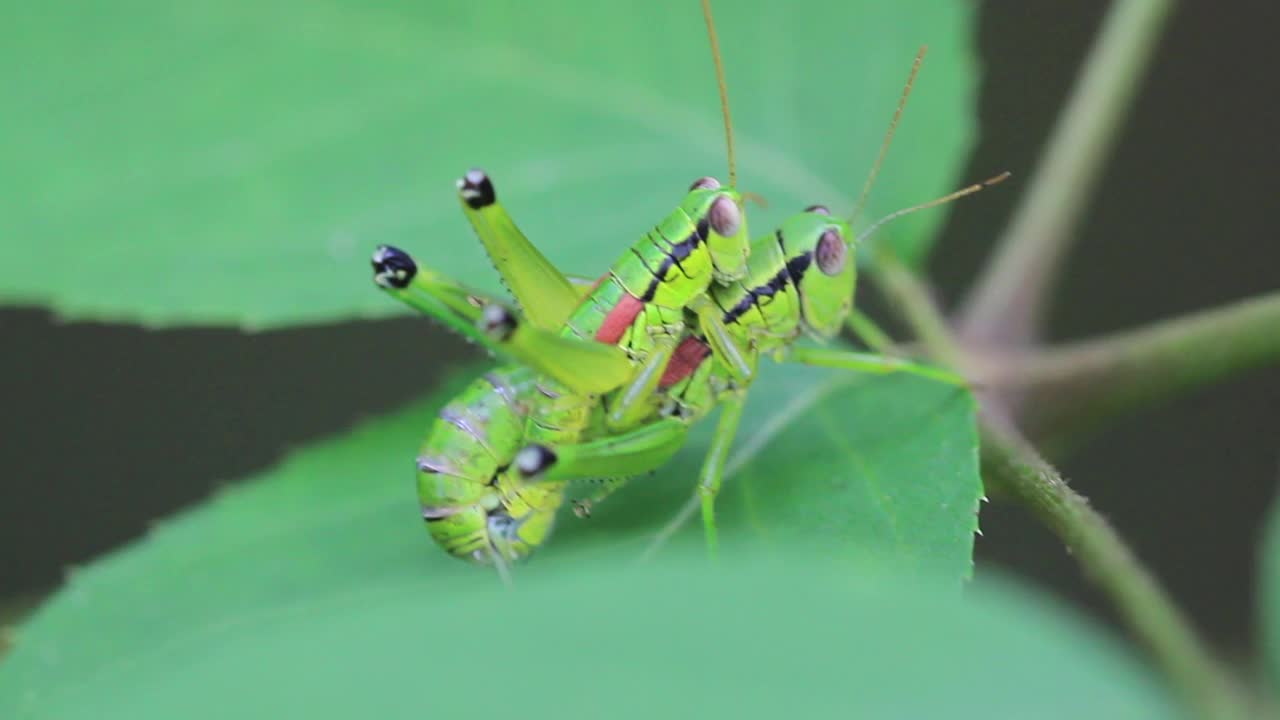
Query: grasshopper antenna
x=976, y=187
x=888, y=136
x=724, y=92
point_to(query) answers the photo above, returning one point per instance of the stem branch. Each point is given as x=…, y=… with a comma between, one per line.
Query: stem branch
x=1008, y=301
x=1021, y=473
x=1074, y=386
x=1016, y=470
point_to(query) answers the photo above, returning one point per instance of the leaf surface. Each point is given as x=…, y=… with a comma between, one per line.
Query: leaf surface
x=847, y=524
x=235, y=163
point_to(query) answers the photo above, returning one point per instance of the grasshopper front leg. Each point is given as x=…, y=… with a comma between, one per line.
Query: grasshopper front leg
x=712, y=475
x=870, y=363
x=639, y=451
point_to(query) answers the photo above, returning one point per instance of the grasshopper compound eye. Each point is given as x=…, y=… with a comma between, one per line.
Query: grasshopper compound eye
x=819, y=209
x=725, y=216
x=392, y=267
x=831, y=253
x=476, y=190
x=497, y=322
x=705, y=183
x=534, y=460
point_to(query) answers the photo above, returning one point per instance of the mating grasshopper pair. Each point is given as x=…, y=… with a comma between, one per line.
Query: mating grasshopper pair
x=606, y=377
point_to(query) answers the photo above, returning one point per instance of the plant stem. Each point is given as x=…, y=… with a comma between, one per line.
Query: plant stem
x=915, y=303
x=1067, y=388
x=1016, y=470
x=1022, y=474
x=1008, y=301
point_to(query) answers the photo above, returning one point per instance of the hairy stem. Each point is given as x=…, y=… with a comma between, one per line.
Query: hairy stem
x=1022, y=474
x=1008, y=300
x=1068, y=388
x=1014, y=469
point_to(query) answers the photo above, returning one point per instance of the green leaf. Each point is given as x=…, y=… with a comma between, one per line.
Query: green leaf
x=313, y=591
x=236, y=162
x=323, y=562
x=671, y=639
x=885, y=468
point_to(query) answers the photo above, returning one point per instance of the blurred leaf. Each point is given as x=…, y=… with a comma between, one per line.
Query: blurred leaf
x=671, y=639
x=754, y=640
x=881, y=471
x=236, y=162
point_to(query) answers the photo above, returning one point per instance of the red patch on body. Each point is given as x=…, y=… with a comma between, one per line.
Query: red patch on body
x=688, y=356
x=619, y=319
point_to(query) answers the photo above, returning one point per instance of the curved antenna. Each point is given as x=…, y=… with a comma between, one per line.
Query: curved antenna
x=724, y=92
x=888, y=136
x=759, y=200
x=932, y=203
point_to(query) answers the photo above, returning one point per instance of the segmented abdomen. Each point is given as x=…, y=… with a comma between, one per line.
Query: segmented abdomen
x=473, y=506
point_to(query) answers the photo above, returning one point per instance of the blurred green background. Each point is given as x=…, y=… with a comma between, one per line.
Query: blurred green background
x=109, y=427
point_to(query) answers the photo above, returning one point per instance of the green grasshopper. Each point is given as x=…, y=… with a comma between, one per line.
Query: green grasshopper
x=615, y=341
x=673, y=330
x=638, y=307
x=800, y=282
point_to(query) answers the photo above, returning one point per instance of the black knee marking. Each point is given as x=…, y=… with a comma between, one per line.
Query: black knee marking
x=498, y=322
x=476, y=189
x=392, y=267
x=534, y=460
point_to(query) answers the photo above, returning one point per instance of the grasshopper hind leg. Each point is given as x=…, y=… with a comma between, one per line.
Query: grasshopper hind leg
x=545, y=295
x=584, y=366
x=639, y=451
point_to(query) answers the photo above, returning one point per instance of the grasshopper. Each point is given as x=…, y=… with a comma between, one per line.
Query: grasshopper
x=608, y=376
x=586, y=362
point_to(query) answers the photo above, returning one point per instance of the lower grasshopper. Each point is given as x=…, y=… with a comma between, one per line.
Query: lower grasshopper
x=610, y=344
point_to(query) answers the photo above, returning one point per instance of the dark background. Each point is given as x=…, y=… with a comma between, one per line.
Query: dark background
x=106, y=428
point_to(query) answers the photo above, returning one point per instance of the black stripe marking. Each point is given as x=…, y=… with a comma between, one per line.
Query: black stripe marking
x=790, y=274
x=797, y=266
x=675, y=253
x=775, y=284
x=679, y=251
x=643, y=262
x=658, y=240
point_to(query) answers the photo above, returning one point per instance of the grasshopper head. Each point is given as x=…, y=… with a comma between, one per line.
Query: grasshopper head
x=718, y=214
x=821, y=263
